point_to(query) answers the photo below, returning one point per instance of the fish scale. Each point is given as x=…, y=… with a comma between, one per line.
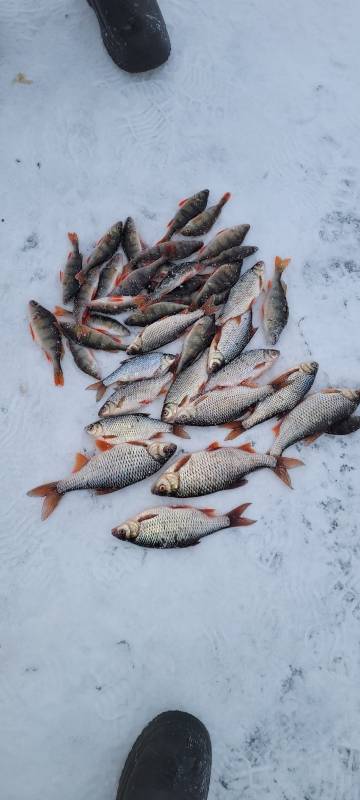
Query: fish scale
x=221, y=405
x=163, y=331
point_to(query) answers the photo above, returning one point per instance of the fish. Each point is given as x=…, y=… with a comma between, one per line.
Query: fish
x=221, y=405
x=348, y=425
x=120, y=466
x=131, y=242
x=187, y=385
x=105, y=248
x=313, y=416
x=230, y=340
x=85, y=294
x=171, y=250
x=108, y=324
x=150, y=365
x=196, y=341
x=73, y=265
x=45, y=331
x=204, y=221
x=174, y=277
x=139, y=279
x=229, y=237
x=178, y=526
x=218, y=468
x=275, y=310
x=108, y=275
x=246, y=366
x=153, y=312
x=290, y=388
x=112, y=430
x=243, y=295
x=237, y=253
x=188, y=208
x=220, y=281
x=90, y=337
x=116, y=305
x=130, y=396
x=84, y=359
x=163, y=331
x=185, y=292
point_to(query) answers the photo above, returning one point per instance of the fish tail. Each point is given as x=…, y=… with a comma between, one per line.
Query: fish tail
x=51, y=494
x=282, y=467
x=99, y=388
x=179, y=431
x=224, y=199
x=281, y=263
x=73, y=237
x=236, y=428
x=236, y=518
x=58, y=376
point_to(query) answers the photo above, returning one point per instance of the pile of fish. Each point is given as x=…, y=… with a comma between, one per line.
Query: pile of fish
x=181, y=287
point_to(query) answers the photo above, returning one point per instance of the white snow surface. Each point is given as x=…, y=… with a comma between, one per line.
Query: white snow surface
x=256, y=631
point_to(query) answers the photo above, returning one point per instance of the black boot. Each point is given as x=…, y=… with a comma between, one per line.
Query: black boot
x=170, y=760
x=134, y=34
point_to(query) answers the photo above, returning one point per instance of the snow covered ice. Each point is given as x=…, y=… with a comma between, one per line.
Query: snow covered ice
x=256, y=630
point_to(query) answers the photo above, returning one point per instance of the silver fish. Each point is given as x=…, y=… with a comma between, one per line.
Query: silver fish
x=131, y=396
x=196, y=341
x=153, y=312
x=290, y=387
x=120, y=466
x=247, y=365
x=73, y=265
x=131, y=242
x=89, y=337
x=178, y=526
x=230, y=340
x=163, y=331
x=143, y=367
x=203, y=222
x=108, y=277
x=105, y=248
x=188, y=209
x=218, y=468
x=45, y=331
x=230, y=237
x=187, y=385
x=84, y=359
x=220, y=281
x=221, y=405
x=237, y=253
x=314, y=415
x=244, y=293
x=275, y=307
x=115, y=305
x=122, y=428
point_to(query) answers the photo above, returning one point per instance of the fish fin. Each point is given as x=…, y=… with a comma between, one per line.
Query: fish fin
x=184, y=401
x=181, y=462
x=247, y=447
x=189, y=544
x=282, y=380
x=58, y=376
x=329, y=390
x=80, y=461
x=236, y=516
x=32, y=333
x=99, y=388
x=138, y=442
x=169, y=223
x=282, y=467
x=141, y=302
x=276, y=428
x=179, y=431
x=224, y=199
x=210, y=512
x=47, y=356
x=163, y=390
x=145, y=516
x=52, y=497
x=61, y=276
x=73, y=238
x=158, y=435
x=59, y=311
x=281, y=263
x=310, y=439
x=270, y=283
x=250, y=383
x=222, y=231
x=183, y=505
x=103, y=445
x=145, y=402
x=236, y=428
x=238, y=483
x=209, y=307
x=262, y=311
x=182, y=202
x=213, y=446
x=106, y=491
x=80, y=277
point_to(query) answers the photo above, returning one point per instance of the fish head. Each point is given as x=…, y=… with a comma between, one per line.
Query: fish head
x=216, y=360
x=94, y=429
x=309, y=367
x=168, y=413
x=351, y=394
x=169, y=362
x=109, y=409
x=167, y=484
x=127, y=530
x=161, y=451
x=271, y=355
x=134, y=348
x=35, y=310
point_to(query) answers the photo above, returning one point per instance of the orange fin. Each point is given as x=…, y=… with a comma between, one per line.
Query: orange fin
x=58, y=377
x=80, y=461
x=102, y=444
x=99, y=387
x=249, y=382
x=59, y=311
x=182, y=202
x=144, y=517
x=43, y=490
x=61, y=274
x=209, y=308
x=236, y=429
x=276, y=428
x=145, y=402
x=310, y=439
x=236, y=516
x=247, y=447
x=282, y=467
x=282, y=380
x=181, y=462
x=73, y=237
x=184, y=400
x=213, y=446
x=80, y=277
x=281, y=263
x=51, y=494
x=158, y=435
x=179, y=431
x=270, y=283
x=210, y=512
x=32, y=333
x=183, y=505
